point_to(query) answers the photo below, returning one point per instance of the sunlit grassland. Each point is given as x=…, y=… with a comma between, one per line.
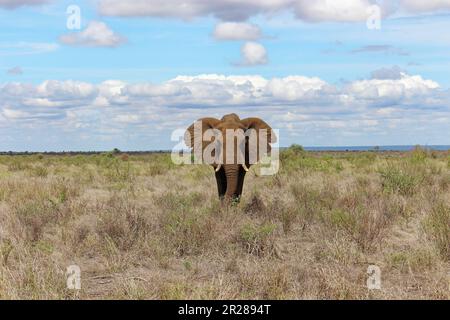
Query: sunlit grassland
x=141, y=227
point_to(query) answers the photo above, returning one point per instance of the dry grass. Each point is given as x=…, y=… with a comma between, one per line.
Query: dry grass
x=141, y=228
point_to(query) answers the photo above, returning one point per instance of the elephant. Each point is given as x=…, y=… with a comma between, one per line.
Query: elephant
x=230, y=173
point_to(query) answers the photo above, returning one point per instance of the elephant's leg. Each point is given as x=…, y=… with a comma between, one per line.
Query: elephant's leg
x=221, y=180
x=241, y=177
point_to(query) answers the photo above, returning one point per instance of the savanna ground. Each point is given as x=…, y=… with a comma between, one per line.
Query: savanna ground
x=140, y=227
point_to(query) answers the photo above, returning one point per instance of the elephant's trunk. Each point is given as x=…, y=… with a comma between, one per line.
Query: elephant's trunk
x=232, y=176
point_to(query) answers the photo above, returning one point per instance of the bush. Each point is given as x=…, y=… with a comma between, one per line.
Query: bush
x=257, y=239
x=294, y=151
x=159, y=165
x=400, y=179
x=362, y=224
x=419, y=154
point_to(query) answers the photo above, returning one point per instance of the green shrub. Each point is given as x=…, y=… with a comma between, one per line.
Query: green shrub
x=257, y=239
x=344, y=220
x=293, y=152
x=297, y=149
x=401, y=179
x=158, y=164
x=338, y=166
x=419, y=154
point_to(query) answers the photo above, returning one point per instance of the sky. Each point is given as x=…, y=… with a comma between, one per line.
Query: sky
x=104, y=74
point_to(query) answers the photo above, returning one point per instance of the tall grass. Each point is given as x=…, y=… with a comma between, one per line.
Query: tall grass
x=140, y=227
x=437, y=225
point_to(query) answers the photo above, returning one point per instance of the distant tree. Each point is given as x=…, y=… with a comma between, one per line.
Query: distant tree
x=294, y=151
x=297, y=149
x=116, y=151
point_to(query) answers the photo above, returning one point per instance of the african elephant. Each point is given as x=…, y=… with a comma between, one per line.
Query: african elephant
x=230, y=170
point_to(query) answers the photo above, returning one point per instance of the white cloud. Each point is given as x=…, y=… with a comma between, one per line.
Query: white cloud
x=332, y=10
x=407, y=87
x=14, y=114
x=310, y=107
x=40, y=102
x=253, y=53
x=425, y=6
x=96, y=34
x=12, y=4
x=67, y=89
x=111, y=88
x=227, y=10
x=237, y=31
x=232, y=10
x=213, y=90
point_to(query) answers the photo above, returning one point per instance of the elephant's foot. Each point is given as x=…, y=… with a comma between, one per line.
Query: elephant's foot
x=228, y=201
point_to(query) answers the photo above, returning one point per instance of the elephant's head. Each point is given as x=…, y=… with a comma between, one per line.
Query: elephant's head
x=231, y=146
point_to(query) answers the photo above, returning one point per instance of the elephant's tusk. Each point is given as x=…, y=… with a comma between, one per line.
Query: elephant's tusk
x=245, y=167
x=218, y=167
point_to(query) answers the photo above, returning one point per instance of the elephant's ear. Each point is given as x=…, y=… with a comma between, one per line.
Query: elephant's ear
x=258, y=125
x=197, y=129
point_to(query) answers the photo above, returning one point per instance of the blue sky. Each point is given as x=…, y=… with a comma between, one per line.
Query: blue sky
x=137, y=70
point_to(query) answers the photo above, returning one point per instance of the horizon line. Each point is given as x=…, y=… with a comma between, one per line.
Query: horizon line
x=322, y=148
